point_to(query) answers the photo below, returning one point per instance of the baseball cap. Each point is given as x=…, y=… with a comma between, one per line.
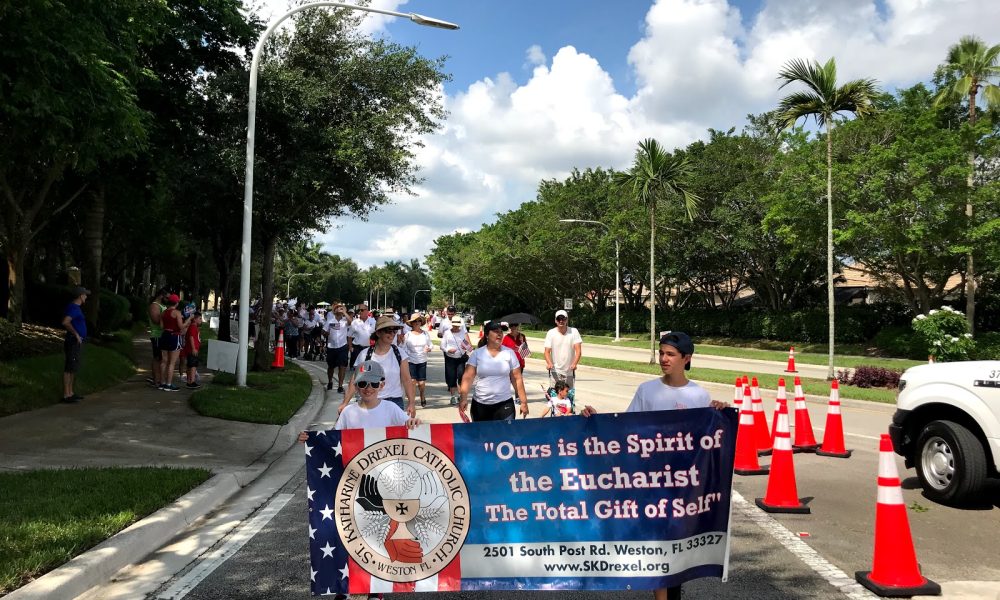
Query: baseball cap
x=681, y=341
x=371, y=372
x=451, y=308
x=493, y=326
x=79, y=291
x=562, y=313
x=173, y=298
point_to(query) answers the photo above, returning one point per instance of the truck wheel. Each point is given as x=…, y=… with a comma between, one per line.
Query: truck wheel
x=951, y=463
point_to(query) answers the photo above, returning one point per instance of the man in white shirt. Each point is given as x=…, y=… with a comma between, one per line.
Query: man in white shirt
x=360, y=333
x=337, y=348
x=446, y=322
x=563, y=349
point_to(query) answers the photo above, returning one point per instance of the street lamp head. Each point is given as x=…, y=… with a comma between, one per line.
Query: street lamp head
x=432, y=22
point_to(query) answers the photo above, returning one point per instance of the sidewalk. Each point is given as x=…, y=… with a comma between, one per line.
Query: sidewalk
x=130, y=425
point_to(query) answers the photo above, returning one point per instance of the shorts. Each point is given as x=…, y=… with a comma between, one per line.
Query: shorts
x=418, y=371
x=337, y=357
x=170, y=342
x=157, y=354
x=73, y=350
x=501, y=411
x=193, y=361
x=355, y=351
x=397, y=400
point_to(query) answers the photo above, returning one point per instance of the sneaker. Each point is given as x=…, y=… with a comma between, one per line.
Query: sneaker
x=164, y=387
x=340, y=389
x=329, y=385
x=454, y=400
x=77, y=397
x=171, y=388
x=423, y=402
x=150, y=381
x=193, y=386
x=70, y=400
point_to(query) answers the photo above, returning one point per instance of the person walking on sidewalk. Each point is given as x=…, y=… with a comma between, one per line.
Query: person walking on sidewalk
x=672, y=391
x=418, y=344
x=563, y=349
x=174, y=327
x=360, y=333
x=155, y=311
x=455, y=346
x=76, y=332
x=492, y=370
x=395, y=364
x=337, y=348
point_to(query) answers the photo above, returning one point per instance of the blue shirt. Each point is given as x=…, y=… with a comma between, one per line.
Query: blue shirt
x=75, y=313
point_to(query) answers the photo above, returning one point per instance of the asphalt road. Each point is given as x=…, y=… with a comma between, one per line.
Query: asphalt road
x=773, y=556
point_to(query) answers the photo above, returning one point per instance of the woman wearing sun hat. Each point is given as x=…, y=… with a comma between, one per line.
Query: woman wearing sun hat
x=395, y=363
x=455, y=345
x=418, y=344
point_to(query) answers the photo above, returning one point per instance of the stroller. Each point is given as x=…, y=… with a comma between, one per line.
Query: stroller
x=565, y=407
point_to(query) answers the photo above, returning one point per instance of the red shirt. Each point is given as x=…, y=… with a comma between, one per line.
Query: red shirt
x=510, y=343
x=192, y=340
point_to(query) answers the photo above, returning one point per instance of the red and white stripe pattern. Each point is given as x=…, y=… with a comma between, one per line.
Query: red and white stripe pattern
x=800, y=397
x=834, y=406
x=889, y=491
x=738, y=392
x=782, y=433
x=354, y=441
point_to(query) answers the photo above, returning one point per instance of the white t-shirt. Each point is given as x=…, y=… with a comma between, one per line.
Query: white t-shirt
x=656, y=395
x=451, y=343
x=562, y=348
x=560, y=406
x=336, y=331
x=417, y=343
x=493, y=374
x=393, y=380
x=386, y=414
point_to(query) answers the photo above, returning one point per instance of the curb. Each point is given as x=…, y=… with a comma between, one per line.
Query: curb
x=765, y=392
x=130, y=545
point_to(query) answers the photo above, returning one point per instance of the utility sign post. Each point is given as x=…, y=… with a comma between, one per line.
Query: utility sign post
x=568, y=303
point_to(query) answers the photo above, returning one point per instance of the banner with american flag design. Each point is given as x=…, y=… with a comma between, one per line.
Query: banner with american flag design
x=626, y=501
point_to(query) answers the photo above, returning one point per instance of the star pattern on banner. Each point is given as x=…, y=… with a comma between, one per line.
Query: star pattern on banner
x=344, y=572
x=312, y=532
x=308, y=449
x=338, y=450
x=327, y=550
x=325, y=470
x=310, y=493
x=329, y=572
x=327, y=512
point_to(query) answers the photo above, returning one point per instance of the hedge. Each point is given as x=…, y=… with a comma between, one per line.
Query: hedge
x=46, y=303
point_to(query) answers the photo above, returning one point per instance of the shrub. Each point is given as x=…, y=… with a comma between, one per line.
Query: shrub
x=871, y=377
x=899, y=341
x=7, y=332
x=944, y=335
x=114, y=311
x=987, y=346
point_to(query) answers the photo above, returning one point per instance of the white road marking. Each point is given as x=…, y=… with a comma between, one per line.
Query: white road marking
x=802, y=550
x=214, y=559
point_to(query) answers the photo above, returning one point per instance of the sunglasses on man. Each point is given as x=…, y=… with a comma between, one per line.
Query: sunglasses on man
x=364, y=384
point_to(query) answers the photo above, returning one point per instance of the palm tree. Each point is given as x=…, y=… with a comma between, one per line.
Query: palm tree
x=822, y=101
x=655, y=176
x=973, y=65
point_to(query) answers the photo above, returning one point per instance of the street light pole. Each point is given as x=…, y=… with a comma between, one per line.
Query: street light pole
x=618, y=332
x=244, y=323
x=413, y=304
x=288, y=288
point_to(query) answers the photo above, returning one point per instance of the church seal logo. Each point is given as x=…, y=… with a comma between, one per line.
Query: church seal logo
x=402, y=510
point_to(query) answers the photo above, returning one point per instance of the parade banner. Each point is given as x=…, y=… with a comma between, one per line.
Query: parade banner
x=610, y=502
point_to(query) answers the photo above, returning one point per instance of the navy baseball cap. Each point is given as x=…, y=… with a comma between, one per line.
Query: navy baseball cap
x=681, y=341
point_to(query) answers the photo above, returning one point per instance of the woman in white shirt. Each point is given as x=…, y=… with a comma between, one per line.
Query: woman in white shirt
x=393, y=361
x=418, y=343
x=454, y=344
x=497, y=369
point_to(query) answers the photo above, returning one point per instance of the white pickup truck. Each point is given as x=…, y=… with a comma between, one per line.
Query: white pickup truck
x=947, y=426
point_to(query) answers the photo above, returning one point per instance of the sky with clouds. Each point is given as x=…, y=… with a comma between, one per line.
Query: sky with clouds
x=541, y=87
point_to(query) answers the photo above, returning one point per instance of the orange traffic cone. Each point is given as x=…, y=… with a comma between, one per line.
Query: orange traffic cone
x=279, y=352
x=746, y=445
x=895, y=571
x=781, y=405
x=738, y=392
x=761, y=434
x=805, y=441
x=791, y=361
x=833, y=435
x=782, y=495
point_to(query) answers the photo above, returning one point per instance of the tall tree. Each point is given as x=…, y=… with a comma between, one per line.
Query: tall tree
x=973, y=64
x=823, y=100
x=655, y=177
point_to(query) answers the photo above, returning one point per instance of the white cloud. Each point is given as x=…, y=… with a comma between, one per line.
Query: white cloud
x=697, y=65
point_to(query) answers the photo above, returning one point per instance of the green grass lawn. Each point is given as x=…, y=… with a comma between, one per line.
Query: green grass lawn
x=51, y=516
x=34, y=382
x=810, y=354
x=270, y=397
x=818, y=387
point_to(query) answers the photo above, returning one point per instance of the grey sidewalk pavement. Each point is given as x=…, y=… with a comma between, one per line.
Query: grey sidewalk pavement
x=131, y=425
